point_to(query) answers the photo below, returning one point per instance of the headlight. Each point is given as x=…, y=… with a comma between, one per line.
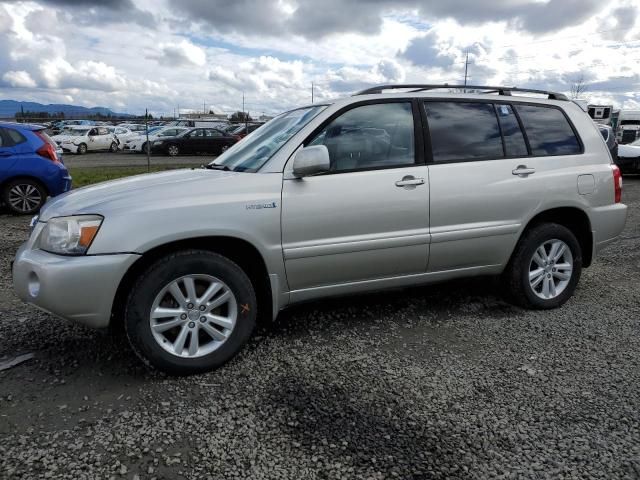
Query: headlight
x=70, y=235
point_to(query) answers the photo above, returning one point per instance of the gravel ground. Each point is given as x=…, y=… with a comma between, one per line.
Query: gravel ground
x=122, y=159
x=446, y=381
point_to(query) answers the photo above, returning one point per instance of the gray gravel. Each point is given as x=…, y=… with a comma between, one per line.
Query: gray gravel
x=447, y=381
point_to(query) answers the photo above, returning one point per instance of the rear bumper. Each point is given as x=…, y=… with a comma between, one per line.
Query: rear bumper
x=69, y=148
x=610, y=221
x=80, y=289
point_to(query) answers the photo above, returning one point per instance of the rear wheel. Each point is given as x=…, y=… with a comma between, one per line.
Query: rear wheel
x=114, y=147
x=24, y=196
x=190, y=312
x=545, y=268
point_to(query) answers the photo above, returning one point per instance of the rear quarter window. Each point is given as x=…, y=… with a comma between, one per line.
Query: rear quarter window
x=548, y=131
x=14, y=137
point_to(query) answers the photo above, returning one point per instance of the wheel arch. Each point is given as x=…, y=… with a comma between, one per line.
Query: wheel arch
x=240, y=251
x=575, y=220
x=3, y=183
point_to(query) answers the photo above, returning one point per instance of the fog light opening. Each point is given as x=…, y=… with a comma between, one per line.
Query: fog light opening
x=34, y=285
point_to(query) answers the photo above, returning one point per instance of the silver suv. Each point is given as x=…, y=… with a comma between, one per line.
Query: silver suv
x=378, y=190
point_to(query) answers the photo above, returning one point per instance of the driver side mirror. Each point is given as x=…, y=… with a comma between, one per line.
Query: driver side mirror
x=311, y=161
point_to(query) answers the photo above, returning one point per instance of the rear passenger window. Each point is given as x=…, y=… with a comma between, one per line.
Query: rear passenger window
x=514, y=143
x=463, y=131
x=548, y=131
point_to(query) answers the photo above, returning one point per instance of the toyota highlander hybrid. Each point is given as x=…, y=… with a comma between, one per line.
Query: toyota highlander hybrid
x=388, y=188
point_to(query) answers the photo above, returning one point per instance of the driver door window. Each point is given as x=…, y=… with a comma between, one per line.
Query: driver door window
x=370, y=137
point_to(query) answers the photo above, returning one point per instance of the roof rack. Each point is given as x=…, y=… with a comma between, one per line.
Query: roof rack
x=499, y=90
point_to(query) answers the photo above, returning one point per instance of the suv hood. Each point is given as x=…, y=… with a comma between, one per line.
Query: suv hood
x=143, y=192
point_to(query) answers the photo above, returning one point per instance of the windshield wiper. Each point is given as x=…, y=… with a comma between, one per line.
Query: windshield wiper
x=213, y=166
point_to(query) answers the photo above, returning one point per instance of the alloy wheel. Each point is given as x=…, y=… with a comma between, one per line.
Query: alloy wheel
x=25, y=197
x=193, y=315
x=550, y=269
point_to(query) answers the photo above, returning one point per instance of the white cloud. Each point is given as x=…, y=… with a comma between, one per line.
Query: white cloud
x=180, y=54
x=170, y=60
x=19, y=79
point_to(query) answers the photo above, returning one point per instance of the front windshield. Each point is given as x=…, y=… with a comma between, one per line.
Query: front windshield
x=255, y=150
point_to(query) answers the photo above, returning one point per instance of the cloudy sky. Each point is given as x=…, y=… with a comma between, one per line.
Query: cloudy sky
x=167, y=54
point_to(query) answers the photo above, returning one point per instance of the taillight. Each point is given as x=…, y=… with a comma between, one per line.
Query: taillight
x=47, y=150
x=617, y=183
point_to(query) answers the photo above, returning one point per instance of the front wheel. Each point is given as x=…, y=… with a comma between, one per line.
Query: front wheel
x=173, y=150
x=545, y=268
x=114, y=147
x=24, y=196
x=190, y=312
x=82, y=149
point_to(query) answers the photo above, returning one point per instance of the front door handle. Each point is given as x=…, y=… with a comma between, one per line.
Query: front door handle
x=523, y=170
x=409, y=181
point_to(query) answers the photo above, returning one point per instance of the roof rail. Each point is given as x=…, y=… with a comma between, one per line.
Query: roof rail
x=486, y=89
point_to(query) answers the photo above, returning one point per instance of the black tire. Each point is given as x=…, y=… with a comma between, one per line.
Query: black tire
x=114, y=147
x=173, y=150
x=160, y=274
x=146, y=148
x=516, y=274
x=82, y=149
x=27, y=186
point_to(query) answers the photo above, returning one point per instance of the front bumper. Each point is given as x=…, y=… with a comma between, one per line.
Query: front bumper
x=132, y=147
x=628, y=164
x=80, y=289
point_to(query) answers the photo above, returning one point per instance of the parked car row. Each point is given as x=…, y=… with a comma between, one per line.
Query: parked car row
x=626, y=157
x=167, y=140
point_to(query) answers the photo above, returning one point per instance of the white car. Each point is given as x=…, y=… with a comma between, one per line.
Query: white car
x=134, y=127
x=82, y=139
x=629, y=157
x=139, y=143
x=122, y=134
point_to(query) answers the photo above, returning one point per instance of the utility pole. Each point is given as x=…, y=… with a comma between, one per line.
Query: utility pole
x=147, y=146
x=312, y=93
x=246, y=128
x=466, y=69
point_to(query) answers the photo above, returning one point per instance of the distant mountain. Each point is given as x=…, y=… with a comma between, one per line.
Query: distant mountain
x=8, y=108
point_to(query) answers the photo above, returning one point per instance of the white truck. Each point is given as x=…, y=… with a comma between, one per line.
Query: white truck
x=628, y=126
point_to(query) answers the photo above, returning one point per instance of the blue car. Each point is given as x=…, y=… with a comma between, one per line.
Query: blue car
x=30, y=168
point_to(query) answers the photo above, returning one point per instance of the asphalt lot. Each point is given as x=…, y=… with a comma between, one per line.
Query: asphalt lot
x=122, y=159
x=446, y=381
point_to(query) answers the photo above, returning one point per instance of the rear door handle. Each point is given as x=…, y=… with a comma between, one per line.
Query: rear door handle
x=409, y=181
x=523, y=170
